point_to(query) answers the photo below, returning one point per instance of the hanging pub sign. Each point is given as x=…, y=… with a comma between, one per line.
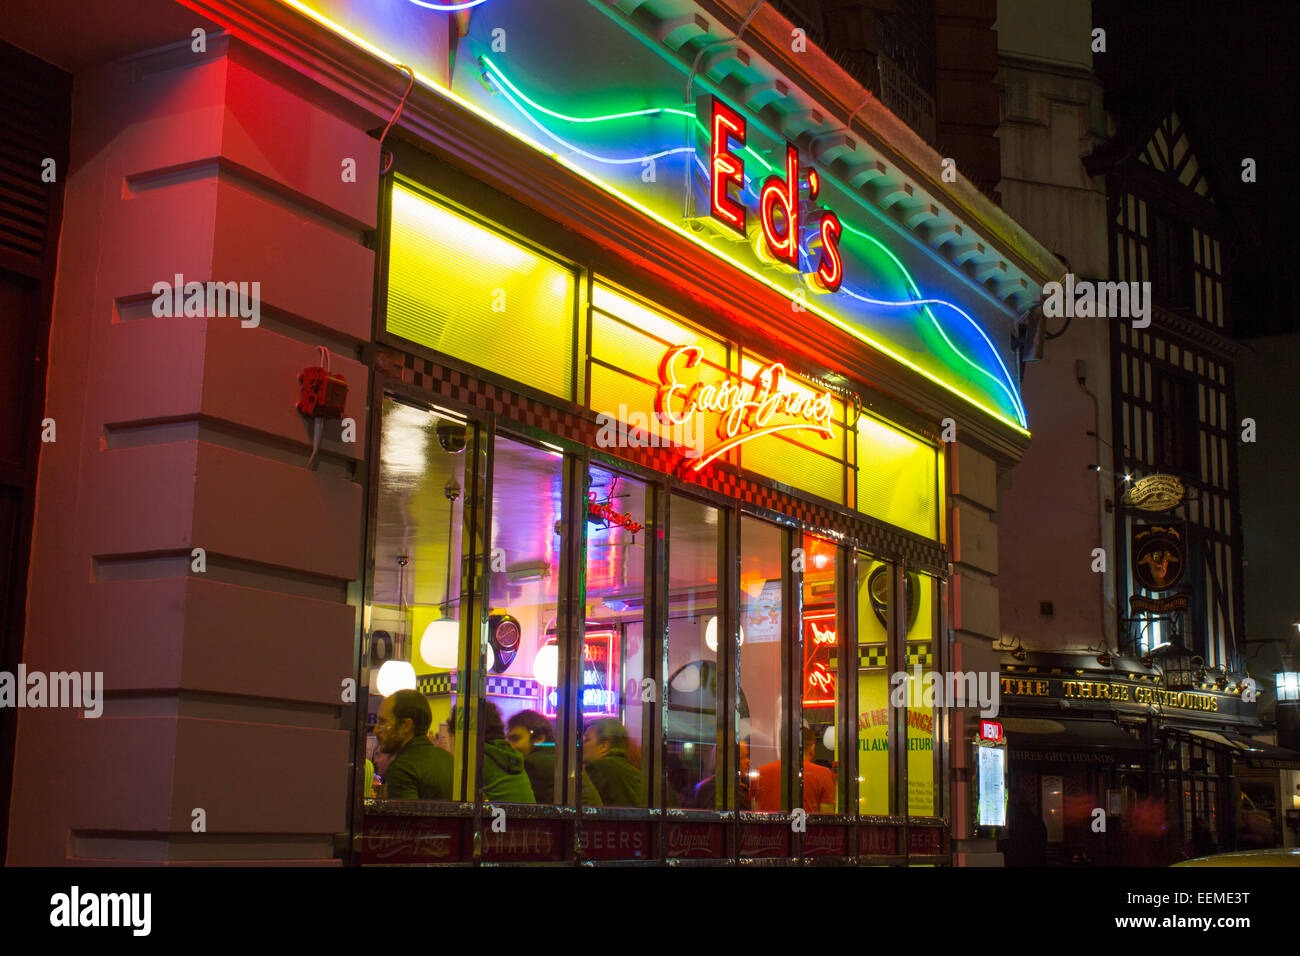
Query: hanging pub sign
x=1158, y=556
x=1140, y=604
x=1155, y=493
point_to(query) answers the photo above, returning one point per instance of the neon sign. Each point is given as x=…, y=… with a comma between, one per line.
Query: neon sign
x=726, y=168
x=924, y=332
x=776, y=240
x=599, y=678
x=818, y=666
x=745, y=415
x=604, y=511
x=448, y=7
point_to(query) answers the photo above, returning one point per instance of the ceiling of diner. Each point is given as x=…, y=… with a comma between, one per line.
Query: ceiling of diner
x=415, y=518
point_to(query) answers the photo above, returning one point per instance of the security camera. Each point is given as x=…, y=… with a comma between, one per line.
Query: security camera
x=451, y=436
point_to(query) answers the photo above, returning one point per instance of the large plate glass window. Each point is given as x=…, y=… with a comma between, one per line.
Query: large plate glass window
x=761, y=707
x=694, y=629
x=615, y=742
x=415, y=635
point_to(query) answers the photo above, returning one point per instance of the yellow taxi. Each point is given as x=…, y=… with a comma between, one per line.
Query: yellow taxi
x=1278, y=856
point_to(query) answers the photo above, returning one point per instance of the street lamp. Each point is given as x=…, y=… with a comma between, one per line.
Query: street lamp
x=1288, y=685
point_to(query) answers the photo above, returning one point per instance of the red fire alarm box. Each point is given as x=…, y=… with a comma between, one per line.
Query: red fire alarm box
x=324, y=393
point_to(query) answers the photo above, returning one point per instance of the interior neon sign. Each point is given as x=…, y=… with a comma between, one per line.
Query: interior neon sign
x=747, y=408
x=599, y=678
x=819, y=668
x=604, y=511
x=779, y=216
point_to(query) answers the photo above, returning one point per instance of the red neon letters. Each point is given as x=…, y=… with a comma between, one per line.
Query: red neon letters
x=605, y=511
x=727, y=167
x=819, y=672
x=782, y=241
x=778, y=202
x=744, y=416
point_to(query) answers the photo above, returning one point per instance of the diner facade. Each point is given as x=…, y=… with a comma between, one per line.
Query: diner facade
x=619, y=371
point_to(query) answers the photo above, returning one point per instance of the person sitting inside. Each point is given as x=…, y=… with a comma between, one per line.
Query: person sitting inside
x=818, y=782
x=530, y=733
x=604, y=752
x=705, y=792
x=418, y=770
x=504, y=777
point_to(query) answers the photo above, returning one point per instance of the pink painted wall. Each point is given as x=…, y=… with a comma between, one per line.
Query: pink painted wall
x=223, y=688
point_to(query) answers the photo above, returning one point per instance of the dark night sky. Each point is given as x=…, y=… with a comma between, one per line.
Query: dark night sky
x=1235, y=64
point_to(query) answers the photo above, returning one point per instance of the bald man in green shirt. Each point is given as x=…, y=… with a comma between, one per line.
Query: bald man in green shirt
x=419, y=771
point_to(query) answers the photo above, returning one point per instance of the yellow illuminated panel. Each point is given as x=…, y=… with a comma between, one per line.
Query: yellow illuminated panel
x=628, y=340
x=470, y=293
x=873, y=699
x=357, y=23
x=799, y=457
x=922, y=730
x=897, y=478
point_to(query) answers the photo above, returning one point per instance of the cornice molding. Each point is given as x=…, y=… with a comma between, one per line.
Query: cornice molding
x=455, y=136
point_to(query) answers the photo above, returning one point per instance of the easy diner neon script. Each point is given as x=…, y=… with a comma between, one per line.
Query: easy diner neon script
x=743, y=418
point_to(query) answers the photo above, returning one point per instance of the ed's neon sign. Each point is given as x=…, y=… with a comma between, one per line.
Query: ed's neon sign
x=747, y=408
x=779, y=216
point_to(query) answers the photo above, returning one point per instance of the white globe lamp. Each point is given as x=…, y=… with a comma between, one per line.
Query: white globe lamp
x=546, y=665
x=439, y=645
x=711, y=634
x=395, y=676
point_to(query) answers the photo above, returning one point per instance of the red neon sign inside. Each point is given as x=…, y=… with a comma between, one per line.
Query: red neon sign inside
x=818, y=670
x=747, y=408
x=778, y=202
x=605, y=511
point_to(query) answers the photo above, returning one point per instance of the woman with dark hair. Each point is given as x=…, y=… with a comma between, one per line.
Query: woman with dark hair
x=504, y=777
x=530, y=733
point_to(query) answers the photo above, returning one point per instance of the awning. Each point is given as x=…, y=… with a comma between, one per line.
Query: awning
x=1071, y=741
x=1256, y=754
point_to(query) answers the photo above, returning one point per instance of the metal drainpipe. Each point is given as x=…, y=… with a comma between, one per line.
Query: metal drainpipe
x=1081, y=377
x=688, y=198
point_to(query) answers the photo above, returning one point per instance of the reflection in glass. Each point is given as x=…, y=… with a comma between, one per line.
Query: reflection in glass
x=821, y=691
x=416, y=590
x=922, y=721
x=522, y=658
x=873, y=685
x=759, y=734
x=691, y=731
x=613, y=653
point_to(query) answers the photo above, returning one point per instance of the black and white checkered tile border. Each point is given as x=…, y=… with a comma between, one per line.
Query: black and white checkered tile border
x=465, y=389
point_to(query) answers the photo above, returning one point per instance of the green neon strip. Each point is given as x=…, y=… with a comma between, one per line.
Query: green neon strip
x=653, y=110
x=907, y=276
x=925, y=308
x=649, y=111
x=450, y=95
